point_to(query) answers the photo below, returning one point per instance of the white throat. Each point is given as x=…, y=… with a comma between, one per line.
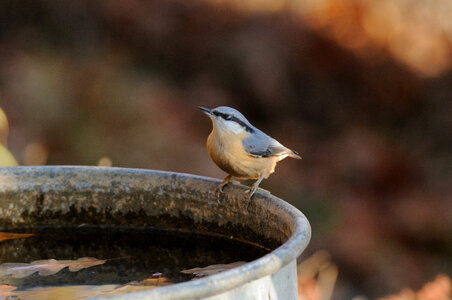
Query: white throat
x=229, y=126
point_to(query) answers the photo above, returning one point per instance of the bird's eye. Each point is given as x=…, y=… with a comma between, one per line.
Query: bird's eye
x=228, y=117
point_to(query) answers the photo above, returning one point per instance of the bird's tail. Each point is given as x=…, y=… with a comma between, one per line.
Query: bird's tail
x=294, y=154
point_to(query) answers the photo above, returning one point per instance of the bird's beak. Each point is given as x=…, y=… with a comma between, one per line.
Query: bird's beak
x=206, y=111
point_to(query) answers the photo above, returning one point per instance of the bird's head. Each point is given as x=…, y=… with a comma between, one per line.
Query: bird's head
x=229, y=119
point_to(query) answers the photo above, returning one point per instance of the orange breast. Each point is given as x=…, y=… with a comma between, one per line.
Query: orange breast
x=227, y=152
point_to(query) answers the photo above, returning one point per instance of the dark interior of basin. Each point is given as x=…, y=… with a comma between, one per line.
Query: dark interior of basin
x=142, y=222
x=133, y=254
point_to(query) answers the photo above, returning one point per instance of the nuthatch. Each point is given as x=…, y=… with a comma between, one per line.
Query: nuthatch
x=240, y=149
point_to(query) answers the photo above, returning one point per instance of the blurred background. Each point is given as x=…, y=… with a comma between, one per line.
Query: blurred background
x=361, y=88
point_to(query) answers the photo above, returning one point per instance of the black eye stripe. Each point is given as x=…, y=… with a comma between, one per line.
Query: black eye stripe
x=222, y=115
x=233, y=119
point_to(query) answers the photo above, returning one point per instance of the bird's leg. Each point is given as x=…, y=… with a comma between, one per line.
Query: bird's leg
x=227, y=180
x=219, y=189
x=253, y=188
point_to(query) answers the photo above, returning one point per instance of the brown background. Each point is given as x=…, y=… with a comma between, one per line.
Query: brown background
x=362, y=89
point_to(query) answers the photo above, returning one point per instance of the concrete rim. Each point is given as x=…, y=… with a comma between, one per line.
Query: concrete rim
x=218, y=283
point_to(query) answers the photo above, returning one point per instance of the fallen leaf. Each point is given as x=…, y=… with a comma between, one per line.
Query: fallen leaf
x=74, y=292
x=11, y=236
x=5, y=290
x=156, y=280
x=212, y=269
x=48, y=266
x=160, y=281
x=129, y=289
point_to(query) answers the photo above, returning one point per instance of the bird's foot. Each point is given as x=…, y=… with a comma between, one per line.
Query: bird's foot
x=219, y=192
x=250, y=192
x=220, y=188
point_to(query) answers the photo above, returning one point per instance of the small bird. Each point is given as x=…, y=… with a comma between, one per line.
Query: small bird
x=242, y=150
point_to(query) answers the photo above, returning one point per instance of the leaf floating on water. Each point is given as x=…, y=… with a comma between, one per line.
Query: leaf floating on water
x=6, y=290
x=11, y=236
x=74, y=292
x=155, y=281
x=48, y=266
x=128, y=289
x=213, y=269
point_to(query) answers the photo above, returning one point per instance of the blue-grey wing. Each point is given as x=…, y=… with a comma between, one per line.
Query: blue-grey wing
x=261, y=145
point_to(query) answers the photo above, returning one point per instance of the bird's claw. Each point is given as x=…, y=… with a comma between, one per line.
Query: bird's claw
x=219, y=192
x=249, y=197
x=251, y=192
